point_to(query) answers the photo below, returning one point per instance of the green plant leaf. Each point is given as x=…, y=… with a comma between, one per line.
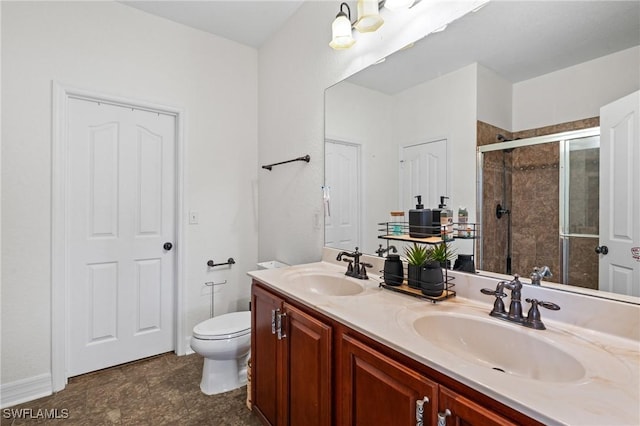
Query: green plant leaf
x=442, y=252
x=416, y=255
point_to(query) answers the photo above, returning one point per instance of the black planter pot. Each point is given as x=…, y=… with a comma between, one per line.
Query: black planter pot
x=393, y=270
x=432, y=283
x=445, y=265
x=414, y=276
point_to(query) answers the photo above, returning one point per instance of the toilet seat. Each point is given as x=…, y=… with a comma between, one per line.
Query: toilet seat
x=227, y=326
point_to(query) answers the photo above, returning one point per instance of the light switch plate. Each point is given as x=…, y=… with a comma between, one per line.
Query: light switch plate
x=194, y=217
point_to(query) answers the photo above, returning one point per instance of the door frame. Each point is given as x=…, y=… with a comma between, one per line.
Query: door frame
x=60, y=217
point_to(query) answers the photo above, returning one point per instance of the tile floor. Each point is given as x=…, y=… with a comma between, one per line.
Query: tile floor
x=162, y=390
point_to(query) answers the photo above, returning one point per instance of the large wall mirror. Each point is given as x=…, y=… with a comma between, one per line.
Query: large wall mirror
x=415, y=122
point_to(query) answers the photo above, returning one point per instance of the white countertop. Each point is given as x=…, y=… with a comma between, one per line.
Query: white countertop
x=607, y=394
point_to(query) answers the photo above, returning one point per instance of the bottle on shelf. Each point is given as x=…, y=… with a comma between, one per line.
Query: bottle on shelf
x=464, y=230
x=420, y=220
x=446, y=220
x=396, y=223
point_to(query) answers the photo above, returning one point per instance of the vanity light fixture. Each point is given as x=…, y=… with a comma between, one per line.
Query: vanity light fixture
x=341, y=36
x=369, y=18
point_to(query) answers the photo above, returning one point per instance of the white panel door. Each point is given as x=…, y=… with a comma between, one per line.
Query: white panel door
x=620, y=196
x=423, y=171
x=342, y=177
x=122, y=212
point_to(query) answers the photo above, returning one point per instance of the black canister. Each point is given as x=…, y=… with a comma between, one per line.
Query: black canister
x=432, y=279
x=465, y=263
x=420, y=225
x=393, y=270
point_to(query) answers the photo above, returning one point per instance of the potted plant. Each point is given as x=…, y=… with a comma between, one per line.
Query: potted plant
x=417, y=256
x=442, y=253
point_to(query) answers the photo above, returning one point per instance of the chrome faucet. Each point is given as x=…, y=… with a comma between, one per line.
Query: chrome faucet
x=532, y=319
x=355, y=269
x=539, y=274
x=382, y=251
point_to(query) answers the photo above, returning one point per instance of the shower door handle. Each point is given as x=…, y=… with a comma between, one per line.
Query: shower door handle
x=602, y=249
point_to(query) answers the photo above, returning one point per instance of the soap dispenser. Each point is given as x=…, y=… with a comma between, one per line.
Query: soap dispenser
x=420, y=220
x=446, y=220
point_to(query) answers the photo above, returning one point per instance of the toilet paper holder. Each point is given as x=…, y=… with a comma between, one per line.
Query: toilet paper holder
x=212, y=284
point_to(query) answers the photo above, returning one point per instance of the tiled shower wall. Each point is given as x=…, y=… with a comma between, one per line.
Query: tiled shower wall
x=494, y=192
x=534, y=173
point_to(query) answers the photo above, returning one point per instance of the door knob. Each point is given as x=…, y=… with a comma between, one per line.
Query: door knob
x=602, y=249
x=167, y=246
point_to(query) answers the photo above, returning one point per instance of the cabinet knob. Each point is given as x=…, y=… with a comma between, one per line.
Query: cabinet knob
x=420, y=410
x=442, y=417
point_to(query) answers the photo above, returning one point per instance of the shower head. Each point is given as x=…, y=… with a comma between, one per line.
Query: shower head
x=501, y=211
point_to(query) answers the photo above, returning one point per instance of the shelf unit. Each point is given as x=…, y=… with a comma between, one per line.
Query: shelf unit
x=399, y=231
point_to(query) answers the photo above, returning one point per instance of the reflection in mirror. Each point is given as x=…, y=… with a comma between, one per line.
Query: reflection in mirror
x=540, y=206
x=518, y=69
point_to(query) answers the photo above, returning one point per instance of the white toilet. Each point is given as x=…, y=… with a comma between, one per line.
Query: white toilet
x=224, y=342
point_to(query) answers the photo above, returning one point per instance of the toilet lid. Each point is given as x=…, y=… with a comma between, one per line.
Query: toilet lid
x=225, y=326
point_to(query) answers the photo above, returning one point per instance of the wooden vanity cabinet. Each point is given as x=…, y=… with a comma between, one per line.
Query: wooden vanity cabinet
x=464, y=411
x=376, y=390
x=291, y=367
x=321, y=368
x=380, y=389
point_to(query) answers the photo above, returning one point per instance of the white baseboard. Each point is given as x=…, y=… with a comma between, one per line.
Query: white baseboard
x=187, y=346
x=25, y=390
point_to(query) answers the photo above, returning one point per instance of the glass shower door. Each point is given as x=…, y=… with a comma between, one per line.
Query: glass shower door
x=579, y=186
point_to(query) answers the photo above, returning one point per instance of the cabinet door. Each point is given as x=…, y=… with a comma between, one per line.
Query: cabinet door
x=264, y=355
x=308, y=374
x=377, y=390
x=465, y=412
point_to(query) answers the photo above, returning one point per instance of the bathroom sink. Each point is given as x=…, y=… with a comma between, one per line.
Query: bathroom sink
x=500, y=346
x=328, y=284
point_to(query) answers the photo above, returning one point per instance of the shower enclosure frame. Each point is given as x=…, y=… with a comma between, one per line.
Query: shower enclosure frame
x=561, y=138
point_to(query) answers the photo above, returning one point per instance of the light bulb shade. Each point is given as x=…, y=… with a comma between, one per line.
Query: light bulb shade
x=341, y=37
x=369, y=18
x=398, y=4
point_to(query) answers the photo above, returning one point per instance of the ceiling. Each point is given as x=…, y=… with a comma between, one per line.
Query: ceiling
x=247, y=22
x=518, y=40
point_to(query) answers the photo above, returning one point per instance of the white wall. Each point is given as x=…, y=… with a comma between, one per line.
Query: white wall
x=359, y=115
x=114, y=49
x=495, y=98
x=444, y=108
x=576, y=92
x=296, y=65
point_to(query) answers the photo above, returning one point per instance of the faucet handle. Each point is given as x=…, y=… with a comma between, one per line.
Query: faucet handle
x=498, y=304
x=495, y=293
x=549, y=305
x=363, y=271
x=533, y=317
x=349, y=266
